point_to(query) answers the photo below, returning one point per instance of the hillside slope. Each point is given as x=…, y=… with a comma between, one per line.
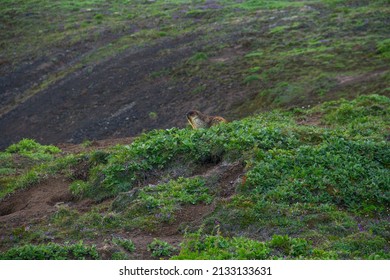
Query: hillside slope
x=85, y=70
x=298, y=184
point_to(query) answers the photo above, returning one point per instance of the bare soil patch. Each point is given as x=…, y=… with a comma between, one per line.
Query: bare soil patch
x=37, y=203
x=94, y=145
x=313, y=119
x=348, y=80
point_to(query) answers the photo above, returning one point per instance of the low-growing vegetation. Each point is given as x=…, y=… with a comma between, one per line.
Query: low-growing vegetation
x=126, y=244
x=51, y=251
x=279, y=247
x=159, y=248
x=306, y=192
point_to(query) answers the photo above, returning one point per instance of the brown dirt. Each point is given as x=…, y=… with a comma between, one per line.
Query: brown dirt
x=313, y=119
x=94, y=145
x=226, y=177
x=348, y=80
x=32, y=205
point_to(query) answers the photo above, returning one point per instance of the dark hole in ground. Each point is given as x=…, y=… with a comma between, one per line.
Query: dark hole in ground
x=7, y=209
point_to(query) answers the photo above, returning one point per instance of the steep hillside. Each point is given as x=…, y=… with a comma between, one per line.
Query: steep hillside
x=86, y=70
x=286, y=184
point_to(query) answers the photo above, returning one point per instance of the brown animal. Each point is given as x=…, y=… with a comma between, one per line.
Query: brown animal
x=199, y=120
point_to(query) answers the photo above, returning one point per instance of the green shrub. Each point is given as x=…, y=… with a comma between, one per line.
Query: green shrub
x=30, y=148
x=51, y=251
x=300, y=247
x=252, y=78
x=278, y=29
x=203, y=246
x=153, y=115
x=126, y=244
x=290, y=247
x=216, y=247
x=28, y=179
x=345, y=173
x=65, y=217
x=159, y=148
x=384, y=48
x=159, y=248
x=37, y=173
x=281, y=243
x=78, y=188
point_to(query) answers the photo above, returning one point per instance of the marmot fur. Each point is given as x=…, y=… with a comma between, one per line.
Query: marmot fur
x=199, y=120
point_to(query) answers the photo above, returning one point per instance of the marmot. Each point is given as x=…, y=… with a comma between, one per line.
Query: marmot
x=200, y=120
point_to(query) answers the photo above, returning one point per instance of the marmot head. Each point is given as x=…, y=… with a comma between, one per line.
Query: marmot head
x=195, y=119
x=193, y=114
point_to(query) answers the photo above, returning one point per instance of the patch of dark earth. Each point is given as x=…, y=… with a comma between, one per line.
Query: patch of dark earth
x=17, y=77
x=118, y=98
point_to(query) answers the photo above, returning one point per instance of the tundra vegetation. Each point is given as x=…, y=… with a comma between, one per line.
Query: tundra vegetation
x=303, y=173
x=304, y=191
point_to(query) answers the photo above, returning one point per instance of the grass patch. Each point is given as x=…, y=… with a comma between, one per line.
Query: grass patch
x=31, y=149
x=198, y=57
